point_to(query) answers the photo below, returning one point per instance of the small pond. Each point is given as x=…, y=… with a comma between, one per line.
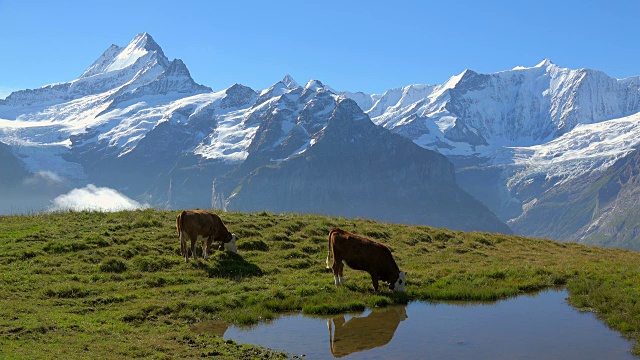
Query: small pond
x=540, y=326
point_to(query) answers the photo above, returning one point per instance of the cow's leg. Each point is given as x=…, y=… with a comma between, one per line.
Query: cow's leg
x=341, y=272
x=188, y=237
x=336, y=268
x=183, y=246
x=336, y=278
x=193, y=248
x=206, y=245
x=374, y=280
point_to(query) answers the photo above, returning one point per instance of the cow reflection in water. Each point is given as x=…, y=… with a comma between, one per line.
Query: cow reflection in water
x=364, y=333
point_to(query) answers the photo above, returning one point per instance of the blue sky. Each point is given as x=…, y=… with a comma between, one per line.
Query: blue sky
x=366, y=46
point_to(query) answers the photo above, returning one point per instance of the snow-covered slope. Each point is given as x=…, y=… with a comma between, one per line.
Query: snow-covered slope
x=524, y=139
x=116, y=58
x=120, y=97
x=141, y=62
x=347, y=166
x=478, y=114
x=585, y=149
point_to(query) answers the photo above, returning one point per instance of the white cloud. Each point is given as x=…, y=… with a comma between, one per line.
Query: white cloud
x=95, y=198
x=40, y=176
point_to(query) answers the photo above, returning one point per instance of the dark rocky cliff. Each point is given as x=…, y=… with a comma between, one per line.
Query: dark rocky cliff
x=356, y=169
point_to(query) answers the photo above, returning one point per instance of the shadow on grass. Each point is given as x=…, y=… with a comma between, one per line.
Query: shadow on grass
x=227, y=265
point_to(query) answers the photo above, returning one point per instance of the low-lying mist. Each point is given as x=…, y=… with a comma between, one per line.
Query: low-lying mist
x=38, y=197
x=95, y=198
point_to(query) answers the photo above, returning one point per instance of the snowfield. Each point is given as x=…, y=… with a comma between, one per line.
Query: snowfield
x=585, y=149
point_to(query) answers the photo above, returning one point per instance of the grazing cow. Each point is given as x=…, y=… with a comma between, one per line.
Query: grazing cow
x=204, y=226
x=363, y=254
x=364, y=333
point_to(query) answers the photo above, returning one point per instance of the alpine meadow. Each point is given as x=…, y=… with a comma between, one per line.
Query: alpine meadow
x=113, y=285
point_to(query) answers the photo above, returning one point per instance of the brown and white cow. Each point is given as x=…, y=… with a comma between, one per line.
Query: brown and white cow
x=363, y=254
x=204, y=226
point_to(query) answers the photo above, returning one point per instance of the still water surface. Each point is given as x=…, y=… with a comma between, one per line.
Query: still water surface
x=541, y=326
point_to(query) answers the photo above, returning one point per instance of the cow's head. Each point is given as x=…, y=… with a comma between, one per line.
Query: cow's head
x=231, y=245
x=400, y=283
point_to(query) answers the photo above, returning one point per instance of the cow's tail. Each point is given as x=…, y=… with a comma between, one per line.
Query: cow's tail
x=183, y=240
x=330, y=250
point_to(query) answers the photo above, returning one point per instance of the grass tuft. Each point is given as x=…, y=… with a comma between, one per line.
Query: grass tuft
x=257, y=245
x=333, y=309
x=154, y=263
x=380, y=301
x=113, y=265
x=66, y=291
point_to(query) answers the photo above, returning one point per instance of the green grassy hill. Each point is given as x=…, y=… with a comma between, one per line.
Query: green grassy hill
x=113, y=285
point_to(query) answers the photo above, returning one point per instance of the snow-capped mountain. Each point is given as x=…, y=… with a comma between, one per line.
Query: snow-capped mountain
x=137, y=122
x=522, y=134
x=477, y=114
x=347, y=166
x=139, y=63
x=87, y=111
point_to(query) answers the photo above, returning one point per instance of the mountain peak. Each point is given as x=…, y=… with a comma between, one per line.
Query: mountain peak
x=238, y=96
x=175, y=79
x=140, y=46
x=290, y=82
x=177, y=67
x=180, y=78
x=456, y=79
x=544, y=63
x=467, y=73
x=238, y=88
x=118, y=58
x=314, y=85
x=145, y=41
x=350, y=108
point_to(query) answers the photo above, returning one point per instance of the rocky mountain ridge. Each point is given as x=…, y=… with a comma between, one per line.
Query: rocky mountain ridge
x=137, y=122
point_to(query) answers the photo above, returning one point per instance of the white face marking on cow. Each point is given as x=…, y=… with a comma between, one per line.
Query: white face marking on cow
x=231, y=245
x=401, y=282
